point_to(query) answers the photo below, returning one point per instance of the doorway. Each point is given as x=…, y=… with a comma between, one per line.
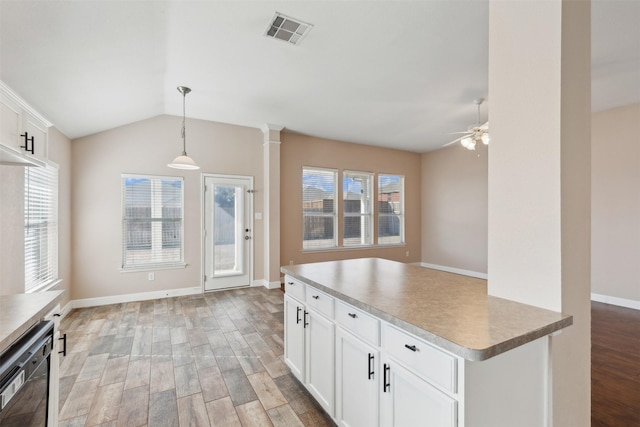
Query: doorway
x=228, y=247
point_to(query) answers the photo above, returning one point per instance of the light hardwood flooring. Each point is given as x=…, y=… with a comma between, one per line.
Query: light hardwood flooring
x=204, y=360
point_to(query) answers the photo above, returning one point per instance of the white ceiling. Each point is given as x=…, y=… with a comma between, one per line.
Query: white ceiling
x=400, y=74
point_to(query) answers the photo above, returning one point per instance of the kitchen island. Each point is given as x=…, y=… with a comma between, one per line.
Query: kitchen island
x=422, y=347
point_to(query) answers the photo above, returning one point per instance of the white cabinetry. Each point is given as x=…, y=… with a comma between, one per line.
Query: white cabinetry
x=357, y=381
x=320, y=333
x=294, y=336
x=309, y=340
x=24, y=133
x=54, y=368
x=408, y=400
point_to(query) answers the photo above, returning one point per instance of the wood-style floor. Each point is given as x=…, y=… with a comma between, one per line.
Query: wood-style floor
x=203, y=360
x=217, y=360
x=615, y=366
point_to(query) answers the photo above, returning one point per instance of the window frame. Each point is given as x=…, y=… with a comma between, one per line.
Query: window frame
x=133, y=266
x=400, y=205
x=346, y=174
x=38, y=278
x=332, y=215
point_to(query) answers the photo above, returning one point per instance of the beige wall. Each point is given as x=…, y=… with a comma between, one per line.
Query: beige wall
x=12, y=219
x=615, y=198
x=454, y=208
x=145, y=148
x=298, y=151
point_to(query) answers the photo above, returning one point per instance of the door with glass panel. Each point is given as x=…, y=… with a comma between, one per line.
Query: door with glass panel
x=227, y=231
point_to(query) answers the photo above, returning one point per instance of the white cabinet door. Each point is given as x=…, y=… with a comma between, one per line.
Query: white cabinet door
x=357, y=381
x=10, y=123
x=407, y=400
x=320, y=335
x=294, y=336
x=37, y=130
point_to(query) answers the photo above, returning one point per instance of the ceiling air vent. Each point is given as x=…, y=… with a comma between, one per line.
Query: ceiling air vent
x=287, y=29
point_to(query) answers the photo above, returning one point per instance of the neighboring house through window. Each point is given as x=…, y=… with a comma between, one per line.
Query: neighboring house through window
x=319, y=188
x=390, y=209
x=40, y=227
x=152, y=222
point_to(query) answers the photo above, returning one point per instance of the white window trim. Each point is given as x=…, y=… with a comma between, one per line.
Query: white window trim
x=159, y=265
x=371, y=179
x=401, y=215
x=54, y=280
x=333, y=215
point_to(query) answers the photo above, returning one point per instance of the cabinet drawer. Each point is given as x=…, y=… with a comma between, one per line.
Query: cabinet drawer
x=434, y=365
x=319, y=301
x=294, y=288
x=357, y=321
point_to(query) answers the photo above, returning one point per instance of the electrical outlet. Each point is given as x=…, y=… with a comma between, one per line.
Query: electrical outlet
x=290, y=262
x=407, y=253
x=152, y=276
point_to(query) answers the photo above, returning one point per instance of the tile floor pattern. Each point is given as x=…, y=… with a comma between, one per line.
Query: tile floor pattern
x=203, y=360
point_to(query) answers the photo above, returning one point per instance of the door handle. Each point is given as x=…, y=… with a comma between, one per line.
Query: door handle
x=387, y=379
x=371, y=372
x=298, y=315
x=305, y=319
x=246, y=237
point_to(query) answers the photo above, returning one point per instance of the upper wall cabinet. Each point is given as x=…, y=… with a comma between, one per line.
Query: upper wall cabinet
x=24, y=134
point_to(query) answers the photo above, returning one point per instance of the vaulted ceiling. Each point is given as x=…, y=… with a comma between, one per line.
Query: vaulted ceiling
x=400, y=74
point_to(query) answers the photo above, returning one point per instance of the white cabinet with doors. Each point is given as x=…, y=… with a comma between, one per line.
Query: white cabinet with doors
x=310, y=340
x=405, y=358
x=24, y=134
x=357, y=381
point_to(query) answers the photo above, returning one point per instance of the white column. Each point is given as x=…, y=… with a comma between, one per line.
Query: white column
x=539, y=178
x=271, y=217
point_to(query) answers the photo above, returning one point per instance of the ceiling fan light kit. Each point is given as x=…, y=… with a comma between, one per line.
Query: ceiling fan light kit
x=476, y=133
x=183, y=161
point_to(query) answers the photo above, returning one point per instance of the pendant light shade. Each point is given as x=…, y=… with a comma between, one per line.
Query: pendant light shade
x=183, y=161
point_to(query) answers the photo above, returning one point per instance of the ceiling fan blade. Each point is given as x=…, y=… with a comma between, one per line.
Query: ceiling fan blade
x=454, y=141
x=484, y=126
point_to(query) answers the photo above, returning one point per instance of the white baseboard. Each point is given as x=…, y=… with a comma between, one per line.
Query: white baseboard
x=272, y=285
x=622, y=302
x=455, y=270
x=140, y=296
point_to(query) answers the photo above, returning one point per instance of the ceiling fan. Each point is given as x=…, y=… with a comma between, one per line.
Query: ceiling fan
x=476, y=133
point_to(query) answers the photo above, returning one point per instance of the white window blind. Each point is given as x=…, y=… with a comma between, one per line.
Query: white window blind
x=40, y=226
x=357, y=197
x=152, y=222
x=319, y=188
x=390, y=209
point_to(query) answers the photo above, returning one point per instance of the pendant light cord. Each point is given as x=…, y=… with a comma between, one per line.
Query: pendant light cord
x=184, y=118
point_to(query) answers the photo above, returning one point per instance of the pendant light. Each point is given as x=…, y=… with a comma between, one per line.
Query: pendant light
x=183, y=161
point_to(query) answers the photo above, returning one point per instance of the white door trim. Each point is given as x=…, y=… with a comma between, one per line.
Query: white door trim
x=203, y=224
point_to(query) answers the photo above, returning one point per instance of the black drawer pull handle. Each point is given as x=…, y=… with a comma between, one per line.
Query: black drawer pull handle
x=298, y=309
x=64, y=345
x=411, y=347
x=291, y=283
x=386, y=382
x=371, y=372
x=353, y=315
x=315, y=297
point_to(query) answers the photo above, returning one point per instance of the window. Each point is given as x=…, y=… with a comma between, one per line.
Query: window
x=319, y=188
x=152, y=222
x=357, y=197
x=40, y=227
x=390, y=209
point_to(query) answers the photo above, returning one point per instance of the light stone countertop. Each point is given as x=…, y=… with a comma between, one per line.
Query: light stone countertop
x=449, y=310
x=19, y=312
